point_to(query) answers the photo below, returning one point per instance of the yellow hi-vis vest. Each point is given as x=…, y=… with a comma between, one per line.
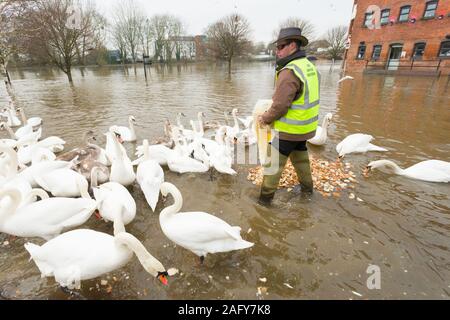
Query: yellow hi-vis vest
x=303, y=115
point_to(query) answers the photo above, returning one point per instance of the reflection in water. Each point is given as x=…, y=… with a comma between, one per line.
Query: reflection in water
x=306, y=248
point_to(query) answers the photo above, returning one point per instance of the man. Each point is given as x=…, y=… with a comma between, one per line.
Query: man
x=294, y=113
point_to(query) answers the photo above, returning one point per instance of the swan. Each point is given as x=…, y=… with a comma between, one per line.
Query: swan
x=321, y=132
x=345, y=78
x=110, y=148
x=181, y=162
x=90, y=149
x=167, y=139
x=429, y=170
x=158, y=152
x=150, y=176
x=121, y=167
x=247, y=121
x=46, y=218
x=222, y=159
x=86, y=254
x=62, y=182
x=357, y=143
x=42, y=154
x=199, y=232
x=24, y=135
x=54, y=144
x=114, y=201
x=127, y=134
x=233, y=132
x=12, y=120
x=33, y=122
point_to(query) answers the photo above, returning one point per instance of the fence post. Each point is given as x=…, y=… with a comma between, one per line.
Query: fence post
x=412, y=64
x=439, y=64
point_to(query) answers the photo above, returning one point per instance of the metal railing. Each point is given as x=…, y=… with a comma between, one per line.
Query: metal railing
x=413, y=64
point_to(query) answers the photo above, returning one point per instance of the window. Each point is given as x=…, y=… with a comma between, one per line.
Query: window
x=418, y=51
x=404, y=14
x=385, y=16
x=376, y=52
x=361, y=51
x=430, y=9
x=368, y=19
x=444, y=51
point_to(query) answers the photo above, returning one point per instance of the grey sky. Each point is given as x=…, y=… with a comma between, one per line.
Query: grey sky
x=263, y=15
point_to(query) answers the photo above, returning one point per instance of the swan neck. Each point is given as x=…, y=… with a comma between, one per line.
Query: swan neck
x=146, y=151
x=37, y=193
x=130, y=122
x=13, y=160
x=166, y=213
x=10, y=131
x=145, y=258
x=16, y=199
x=119, y=226
x=22, y=115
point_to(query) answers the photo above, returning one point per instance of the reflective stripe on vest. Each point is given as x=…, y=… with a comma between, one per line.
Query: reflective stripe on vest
x=303, y=115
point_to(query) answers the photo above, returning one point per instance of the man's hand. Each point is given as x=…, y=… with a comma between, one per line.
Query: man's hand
x=261, y=121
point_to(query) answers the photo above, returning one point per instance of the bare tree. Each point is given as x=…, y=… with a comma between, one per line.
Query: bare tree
x=129, y=21
x=46, y=30
x=336, y=37
x=10, y=13
x=160, y=27
x=229, y=37
x=93, y=36
x=308, y=29
x=177, y=31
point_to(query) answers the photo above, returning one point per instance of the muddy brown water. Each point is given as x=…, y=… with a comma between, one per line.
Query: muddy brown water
x=306, y=248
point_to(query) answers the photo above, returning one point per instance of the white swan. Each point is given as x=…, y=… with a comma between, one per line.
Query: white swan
x=150, y=176
x=34, y=121
x=429, y=170
x=222, y=158
x=322, y=132
x=115, y=202
x=110, y=148
x=54, y=144
x=345, y=78
x=357, y=143
x=127, y=134
x=24, y=135
x=86, y=254
x=121, y=168
x=62, y=182
x=199, y=232
x=12, y=120
x=233, y=132
x=158, y=152
x=181, y=162
x=46, y=218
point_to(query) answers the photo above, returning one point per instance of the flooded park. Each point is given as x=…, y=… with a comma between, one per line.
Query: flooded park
x=315, y=247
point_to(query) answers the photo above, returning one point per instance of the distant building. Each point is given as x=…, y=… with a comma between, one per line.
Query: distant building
x=399, y=36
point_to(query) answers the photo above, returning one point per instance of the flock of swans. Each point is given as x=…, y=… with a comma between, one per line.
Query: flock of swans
x=92, y=180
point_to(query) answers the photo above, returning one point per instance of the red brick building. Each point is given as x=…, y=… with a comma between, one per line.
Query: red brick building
x=399, y=36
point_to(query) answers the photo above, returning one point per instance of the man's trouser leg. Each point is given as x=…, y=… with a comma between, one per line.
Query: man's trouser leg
x=300, y=161
x=272, y=175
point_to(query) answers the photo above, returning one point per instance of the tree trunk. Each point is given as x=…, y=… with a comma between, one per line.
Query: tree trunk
x=69, y=73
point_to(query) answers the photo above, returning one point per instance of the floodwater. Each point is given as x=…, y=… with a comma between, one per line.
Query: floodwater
x=316, y=248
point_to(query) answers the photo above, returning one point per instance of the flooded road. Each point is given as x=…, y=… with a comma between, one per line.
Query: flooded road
x=317, y=248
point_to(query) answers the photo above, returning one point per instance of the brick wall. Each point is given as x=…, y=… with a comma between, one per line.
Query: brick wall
x=432, y=32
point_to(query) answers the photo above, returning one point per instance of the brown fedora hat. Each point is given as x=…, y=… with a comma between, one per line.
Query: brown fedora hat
x=292, y=34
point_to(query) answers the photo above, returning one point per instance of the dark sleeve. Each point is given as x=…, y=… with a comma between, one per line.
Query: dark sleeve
x=288, y=88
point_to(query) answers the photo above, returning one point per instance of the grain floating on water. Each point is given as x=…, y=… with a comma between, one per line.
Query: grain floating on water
x=329, y=178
